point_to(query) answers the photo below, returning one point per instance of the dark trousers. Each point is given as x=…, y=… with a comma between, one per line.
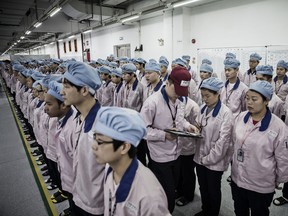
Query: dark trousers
x=76, y=211
x=285, y=190
x=167, y=174
x=210, y=189
x=54, y=173
x=143, y=152
x=187, y=178
x=244, y=200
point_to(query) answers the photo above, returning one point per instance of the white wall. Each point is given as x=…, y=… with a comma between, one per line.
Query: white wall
x=227, y=23
x=71, y=54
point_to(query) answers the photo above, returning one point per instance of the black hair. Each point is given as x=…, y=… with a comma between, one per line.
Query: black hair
x=132, y=151
x=209, y=90
x=269, y=77
x=263, y=97
x=65, y=81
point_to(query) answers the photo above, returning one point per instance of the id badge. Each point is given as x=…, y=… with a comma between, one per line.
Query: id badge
x=240, y=155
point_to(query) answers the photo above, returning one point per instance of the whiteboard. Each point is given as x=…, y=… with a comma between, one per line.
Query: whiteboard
x=270, y=55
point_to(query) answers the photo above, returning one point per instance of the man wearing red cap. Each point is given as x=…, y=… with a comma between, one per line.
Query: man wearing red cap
x=165, y=110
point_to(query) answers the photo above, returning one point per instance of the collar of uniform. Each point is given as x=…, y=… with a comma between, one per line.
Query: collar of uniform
x=264, y=122
x=107, y=83
x=183, y=99
x=157, y=87
x=39, y=104
x=134, y=86
x=285, y=79
x=119, y=87
x=200, y=84
x=189, y=68
x=251, y=72
x=236, y=84
x=66, y=117
x=166, y=77
x=215, y=110
x=90, y=118
x=126, y=181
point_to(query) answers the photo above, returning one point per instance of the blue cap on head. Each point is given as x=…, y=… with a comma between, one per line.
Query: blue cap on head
x=104, y=70
x=56, y=61
x=81, y=74
x=140, y=61
x=18, y=67
x=152, y=66
x=55, y=89
x=264, y=69
x=207, y=61
x=129, y=68
x=186, y=58
x=181, y=62
x=231, y=63
x=37, y=76
x=212, y=83
x=37, y=82
x=113, y=64
x=162, y=58
x=164, y=62
x=45, y=81
x=282, y=64
x=255, y=56
x=206, y=68
x=120, y=124
x=262, y=87
x=230, y=55
x=124, y=59
x=116, y=72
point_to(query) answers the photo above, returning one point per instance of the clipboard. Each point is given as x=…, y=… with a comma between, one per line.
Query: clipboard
x=184, y=133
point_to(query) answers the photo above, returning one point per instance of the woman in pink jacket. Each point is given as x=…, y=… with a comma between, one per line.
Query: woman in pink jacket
x=260, y=161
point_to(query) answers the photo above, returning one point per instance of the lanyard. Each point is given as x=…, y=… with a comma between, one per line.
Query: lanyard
x=111, y=211
x=78, y=124
x=278, y=89
x=247, y=134
x=228, y=96
x=173, y=117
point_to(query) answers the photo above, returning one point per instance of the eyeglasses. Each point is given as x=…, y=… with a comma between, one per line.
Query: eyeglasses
x=200, y=126
x=101, y=142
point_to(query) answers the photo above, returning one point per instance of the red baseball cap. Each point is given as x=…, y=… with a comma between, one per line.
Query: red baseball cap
x=181, y=79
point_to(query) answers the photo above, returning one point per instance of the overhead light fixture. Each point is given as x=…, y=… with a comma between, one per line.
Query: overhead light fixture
x=55, y=11
x=88, y=31
x=15, y=43
x=60, y=40
x=27, y=32
x=72, y=36
x=36, y=25
x=130, y=18
x=180, y=4
x=52, y=43
x=18, y=41
x=22, y=37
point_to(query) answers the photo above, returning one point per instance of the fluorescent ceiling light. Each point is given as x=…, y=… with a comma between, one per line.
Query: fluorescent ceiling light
x=27, y=32
x=36, y=25
x=130, y=18
x=184, y=3
x=72, y=36
x=52, y=43
x=22, y=37
x=60, y=40
x=88, y=31
x=55, y=11
x=18, y=41
x=15, y=43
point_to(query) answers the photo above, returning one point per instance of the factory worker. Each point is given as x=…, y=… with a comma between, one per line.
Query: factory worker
x=207, y=61
x=107, y=87
x=213, y=152
x=250, y=76
x=152, y=76
x=163, y=110
x=260, y=161
x=189, y=68
x=79, y=85
x=116, y=78
x=133, y=89
x=140, y=65
x=130, y=188
x=234, y=91
x=279, y=83
x=265, y=72
x=164, y=72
